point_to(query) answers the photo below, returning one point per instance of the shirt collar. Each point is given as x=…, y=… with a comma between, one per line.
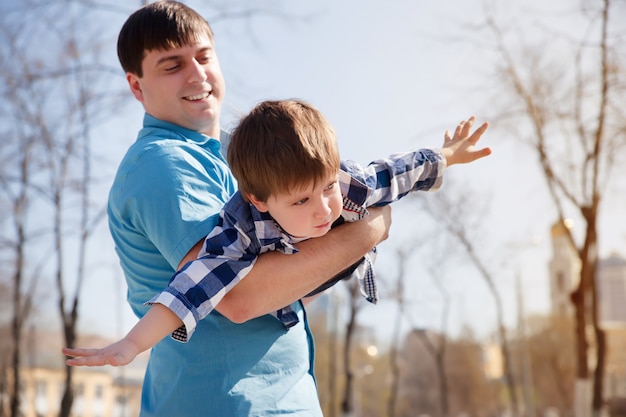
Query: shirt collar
x=151, y=122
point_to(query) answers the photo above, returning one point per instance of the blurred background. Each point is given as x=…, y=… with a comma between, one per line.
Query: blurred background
x=502, y=294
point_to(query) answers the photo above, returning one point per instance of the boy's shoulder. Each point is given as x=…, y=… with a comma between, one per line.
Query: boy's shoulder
x=237, y=207
x=353, y=182
x=237, y=211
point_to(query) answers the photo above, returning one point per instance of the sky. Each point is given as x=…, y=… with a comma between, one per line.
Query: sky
x=390, y=77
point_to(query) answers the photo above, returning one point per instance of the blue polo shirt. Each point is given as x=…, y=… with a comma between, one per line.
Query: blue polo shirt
x=166, y=196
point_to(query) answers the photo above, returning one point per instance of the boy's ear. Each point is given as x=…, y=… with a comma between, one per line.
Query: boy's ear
x=135, y=86
x=260, y=205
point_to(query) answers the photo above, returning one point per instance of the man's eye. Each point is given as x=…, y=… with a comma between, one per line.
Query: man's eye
x=172, y=68
x=330, y=186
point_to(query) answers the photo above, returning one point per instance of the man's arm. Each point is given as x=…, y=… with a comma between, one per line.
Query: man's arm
x=277, y=280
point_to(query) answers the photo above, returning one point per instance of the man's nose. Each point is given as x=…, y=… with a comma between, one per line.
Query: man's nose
x=197, y=72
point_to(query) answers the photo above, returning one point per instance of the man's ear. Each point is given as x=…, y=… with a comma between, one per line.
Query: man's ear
x=260, y=205
x=135, y=86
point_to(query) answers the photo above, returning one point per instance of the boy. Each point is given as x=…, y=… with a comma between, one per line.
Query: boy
x=292, y=187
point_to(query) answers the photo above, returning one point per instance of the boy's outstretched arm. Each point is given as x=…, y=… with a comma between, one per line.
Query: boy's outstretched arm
x=158, y=322
x=460, y=148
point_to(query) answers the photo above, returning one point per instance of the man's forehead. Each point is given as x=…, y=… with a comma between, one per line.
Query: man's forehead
x=191, y=48
x=201, y=41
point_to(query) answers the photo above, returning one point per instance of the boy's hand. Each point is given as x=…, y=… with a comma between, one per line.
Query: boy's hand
x=459, y=149
x=117, y=354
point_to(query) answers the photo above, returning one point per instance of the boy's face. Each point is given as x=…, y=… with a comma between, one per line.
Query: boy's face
x=306, y=212
x=183, y=86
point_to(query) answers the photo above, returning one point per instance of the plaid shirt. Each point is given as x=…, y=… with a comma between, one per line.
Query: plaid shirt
x=242, y=233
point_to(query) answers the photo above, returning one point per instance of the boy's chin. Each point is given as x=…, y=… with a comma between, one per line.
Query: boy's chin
x=322, y=232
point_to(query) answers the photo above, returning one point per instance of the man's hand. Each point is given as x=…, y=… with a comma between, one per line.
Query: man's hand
x=380, y=219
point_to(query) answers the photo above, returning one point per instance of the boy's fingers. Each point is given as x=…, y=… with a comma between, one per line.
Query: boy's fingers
x=78, y=352
x=468, y=125
x=98, y=359
x=79, y=361
x=478, y=133
x=482, y=153
x=464, y=127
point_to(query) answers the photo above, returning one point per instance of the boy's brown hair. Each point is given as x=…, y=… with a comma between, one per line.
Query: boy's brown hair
x=282, y=145
x=162, y=25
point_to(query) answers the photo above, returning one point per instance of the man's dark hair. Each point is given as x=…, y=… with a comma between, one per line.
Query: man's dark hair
x=161, y=25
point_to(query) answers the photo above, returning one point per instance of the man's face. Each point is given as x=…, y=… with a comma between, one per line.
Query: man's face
x=184, y=86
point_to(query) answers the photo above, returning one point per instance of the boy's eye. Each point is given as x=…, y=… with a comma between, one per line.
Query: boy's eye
x=300, y=202
x=330, y=187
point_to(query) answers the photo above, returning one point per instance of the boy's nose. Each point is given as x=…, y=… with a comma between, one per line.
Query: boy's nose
x=323, y=208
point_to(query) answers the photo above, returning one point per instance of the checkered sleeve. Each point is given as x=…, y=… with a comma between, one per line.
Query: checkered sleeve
x=229, y=254
x=382, y=182
x=390, y=179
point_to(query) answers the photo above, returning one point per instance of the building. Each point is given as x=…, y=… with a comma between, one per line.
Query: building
x=612, y=306
x=564, y=268
x=99, y=392
x=493, y=362
x=612, y=290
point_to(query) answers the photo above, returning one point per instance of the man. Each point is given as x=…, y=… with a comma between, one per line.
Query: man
x=165, y=199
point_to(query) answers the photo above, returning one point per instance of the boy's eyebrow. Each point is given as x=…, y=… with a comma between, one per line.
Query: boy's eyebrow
x=175, y=56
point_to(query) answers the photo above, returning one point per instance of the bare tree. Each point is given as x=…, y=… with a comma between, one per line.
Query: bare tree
x=323, y=318
x=55, y=97
x=333, y=336
x=5, y=345
x=471, y=392
x=76, y=149
x=354, y=305
x=552, y=350
x=394, y=366
x=455, y=217
x=567, y=102
x=19, y=167
x=435, y=349
x=18, y=193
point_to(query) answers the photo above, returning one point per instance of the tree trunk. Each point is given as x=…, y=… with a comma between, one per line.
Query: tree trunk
x=68, y=394
x=581, y=390
x=347, y=404
x=590, y=252
x=598, y=385
x=443, y=380
x=21, y=308
x=15, y=363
